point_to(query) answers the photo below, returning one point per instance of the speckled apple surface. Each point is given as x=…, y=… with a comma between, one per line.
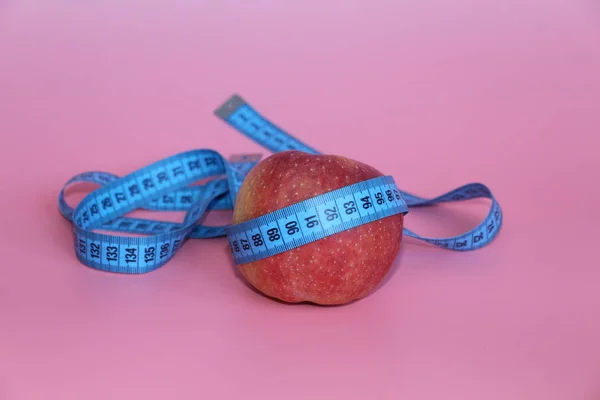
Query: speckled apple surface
x=435, y=93
x=331, y=271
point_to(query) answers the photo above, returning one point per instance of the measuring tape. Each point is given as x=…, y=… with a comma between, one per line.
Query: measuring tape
x=166, y=185
x=315, y=218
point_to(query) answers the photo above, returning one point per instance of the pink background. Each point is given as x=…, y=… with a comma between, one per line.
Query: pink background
x=443, y=93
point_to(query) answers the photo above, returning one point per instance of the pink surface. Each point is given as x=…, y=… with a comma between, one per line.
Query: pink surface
x=443, y=93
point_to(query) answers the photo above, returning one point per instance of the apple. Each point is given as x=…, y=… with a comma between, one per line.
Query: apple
x=335, y=270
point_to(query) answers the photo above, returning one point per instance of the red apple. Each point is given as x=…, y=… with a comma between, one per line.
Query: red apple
x=334, y=270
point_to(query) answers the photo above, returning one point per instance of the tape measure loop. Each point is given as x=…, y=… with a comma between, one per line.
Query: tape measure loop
x=168, y=185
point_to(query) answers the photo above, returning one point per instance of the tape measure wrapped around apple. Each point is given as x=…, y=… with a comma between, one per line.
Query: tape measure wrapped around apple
x=335, y=269
x=306, y=226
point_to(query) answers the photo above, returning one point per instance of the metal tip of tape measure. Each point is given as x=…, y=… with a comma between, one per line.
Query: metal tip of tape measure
x=229, y=107
x=237, y=158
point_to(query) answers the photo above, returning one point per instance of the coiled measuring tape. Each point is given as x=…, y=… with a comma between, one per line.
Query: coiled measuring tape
x=166, y=185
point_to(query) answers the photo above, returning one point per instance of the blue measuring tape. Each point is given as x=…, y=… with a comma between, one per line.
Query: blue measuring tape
x=167, y=185
x=315, y=218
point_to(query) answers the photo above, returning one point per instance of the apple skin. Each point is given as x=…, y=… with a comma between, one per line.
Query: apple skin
x=334, y=270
